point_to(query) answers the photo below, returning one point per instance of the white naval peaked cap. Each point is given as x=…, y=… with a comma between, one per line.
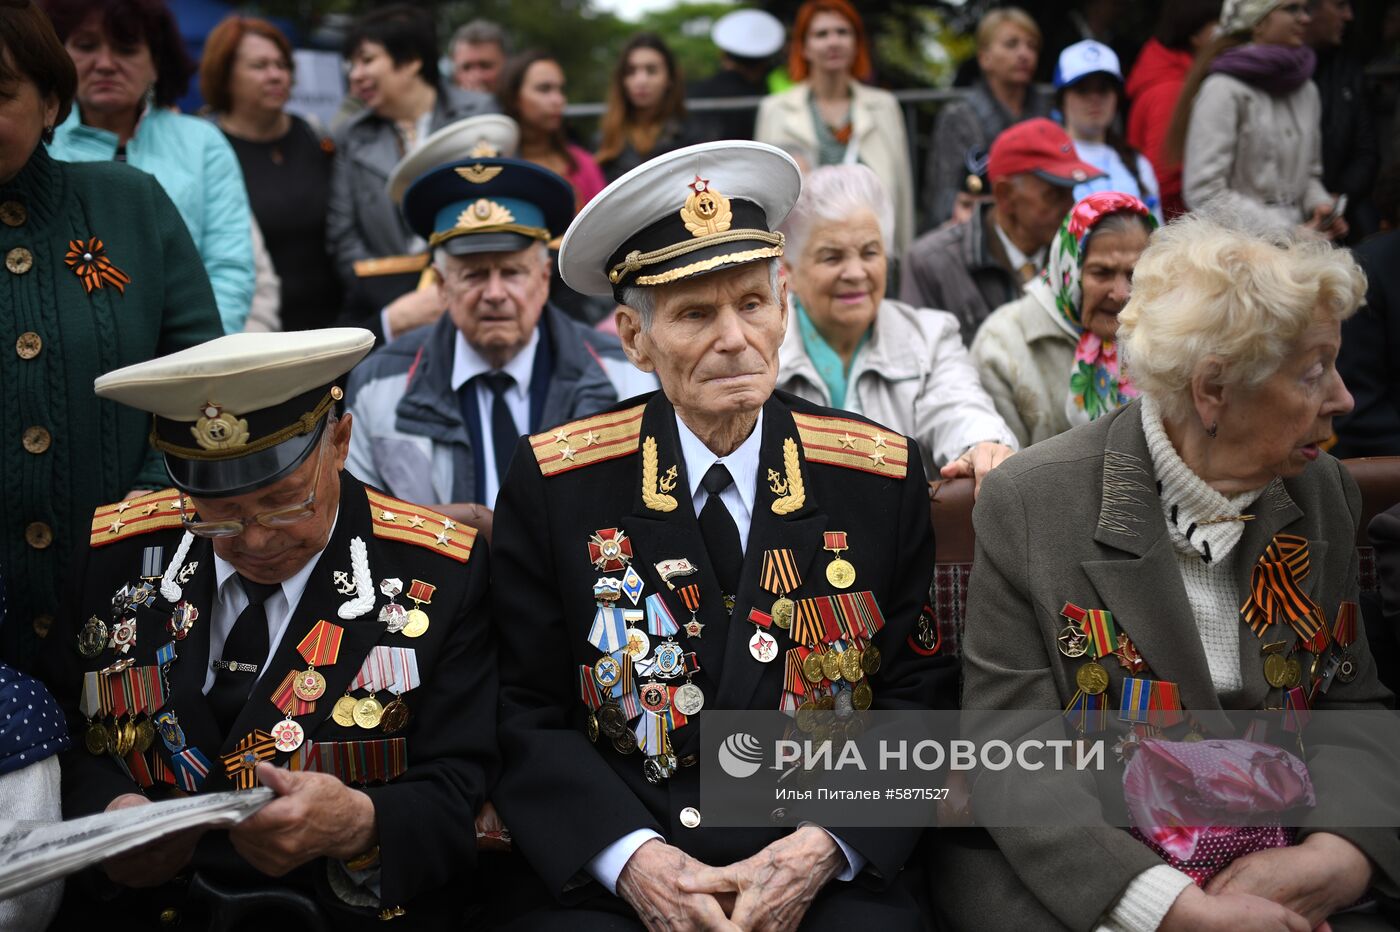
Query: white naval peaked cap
x=749, y=33
x=242, y=411
x=489, y=135
x=681, y=214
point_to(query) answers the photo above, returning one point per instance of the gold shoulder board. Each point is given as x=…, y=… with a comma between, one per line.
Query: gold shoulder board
x=154, y=511
x=402, y=521
x=591, y=440
x=839, y=441
x=391, y=265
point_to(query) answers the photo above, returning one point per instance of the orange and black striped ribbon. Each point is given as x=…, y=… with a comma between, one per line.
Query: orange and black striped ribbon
x=793, y=679
x=690, y=595
x=243, y=760
x=98, y=270
x=779, y=574
x=1276, y=591
x=807, y=623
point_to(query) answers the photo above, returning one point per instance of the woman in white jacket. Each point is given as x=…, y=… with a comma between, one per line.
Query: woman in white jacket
x=849, y=347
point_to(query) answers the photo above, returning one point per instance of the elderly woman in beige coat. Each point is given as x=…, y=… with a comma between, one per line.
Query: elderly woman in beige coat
x=1049, y=359
x=1159, y=513
x=1247, y=127
x=848, y=346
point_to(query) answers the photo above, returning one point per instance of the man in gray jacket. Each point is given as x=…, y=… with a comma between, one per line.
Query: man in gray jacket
x=438, y=411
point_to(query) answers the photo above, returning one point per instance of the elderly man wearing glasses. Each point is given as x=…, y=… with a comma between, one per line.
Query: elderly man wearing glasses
x=272, y=620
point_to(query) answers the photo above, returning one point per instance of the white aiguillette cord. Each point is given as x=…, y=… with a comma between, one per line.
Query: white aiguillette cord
x=169, y=588
x=364, y=586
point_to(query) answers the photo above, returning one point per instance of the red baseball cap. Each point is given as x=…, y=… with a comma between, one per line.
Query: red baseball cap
x=1042, y=148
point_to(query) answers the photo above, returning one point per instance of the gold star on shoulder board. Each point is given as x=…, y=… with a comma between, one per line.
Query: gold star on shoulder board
x=122, y=506
x=567, y=453
x=448, y=524
x=879, y=441
x=116, y=527
x=847, y=441
x=561, y=436
x=878, y=458
x=415, y=521
x=589, y=439
x=442, y=539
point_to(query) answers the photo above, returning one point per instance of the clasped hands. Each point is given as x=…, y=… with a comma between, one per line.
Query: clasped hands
x=313, y=816
x=1293, y=889
x=769, y=891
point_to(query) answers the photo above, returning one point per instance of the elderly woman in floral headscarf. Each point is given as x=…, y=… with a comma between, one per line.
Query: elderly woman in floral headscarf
x=1049, y=359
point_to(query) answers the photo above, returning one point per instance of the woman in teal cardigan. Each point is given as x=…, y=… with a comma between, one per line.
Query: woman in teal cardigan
x=99, y=272
x=132, y=67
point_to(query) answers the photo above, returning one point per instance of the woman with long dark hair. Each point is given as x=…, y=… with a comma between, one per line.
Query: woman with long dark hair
x=532, y=94
x=646, y=107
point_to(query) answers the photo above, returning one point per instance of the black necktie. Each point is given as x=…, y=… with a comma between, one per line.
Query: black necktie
x=247, y=648
x=719, y=530
x=504, y=433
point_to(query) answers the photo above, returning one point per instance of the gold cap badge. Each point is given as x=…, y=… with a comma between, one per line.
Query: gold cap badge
x=706, y=211
x=219, y=431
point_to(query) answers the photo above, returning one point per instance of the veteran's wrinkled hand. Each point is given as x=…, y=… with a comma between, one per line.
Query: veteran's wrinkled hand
x=1324, y=874
x=978, y=460
x=314, y=815
x=774, y=888
x=150, y=865
x=1196, y=911
x=648, y=883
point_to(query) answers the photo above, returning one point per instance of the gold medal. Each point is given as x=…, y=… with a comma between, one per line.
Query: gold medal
x=309, y=686
x=807, y=716
x=96, y=738
x=591, y=727
x=826, y=704
x=1092, y=678
x=812, y=668
x=1293, y=672
x=870, y=660
x=125, y=735
x=417, y=624
x=344, y=712
x=851, y=667
x=145, y=735
x=1276, y=670
x=611, y=720
x=782, y=612
x=831, y=665
x=840, y=573
x=368, y=712
x=862, y=696
x=395, y=716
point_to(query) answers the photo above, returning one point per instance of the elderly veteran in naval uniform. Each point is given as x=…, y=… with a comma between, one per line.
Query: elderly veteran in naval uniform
x=273, y=620
x=730, y=517
x=440, y=411
x=394, y=295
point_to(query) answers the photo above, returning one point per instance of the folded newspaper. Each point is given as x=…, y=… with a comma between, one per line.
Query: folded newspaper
x=34, y=853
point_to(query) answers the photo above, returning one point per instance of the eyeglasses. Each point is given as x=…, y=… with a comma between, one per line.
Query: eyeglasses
x=275, y=519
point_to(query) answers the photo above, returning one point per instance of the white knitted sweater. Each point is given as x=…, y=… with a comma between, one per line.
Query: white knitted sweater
x=1203, y=558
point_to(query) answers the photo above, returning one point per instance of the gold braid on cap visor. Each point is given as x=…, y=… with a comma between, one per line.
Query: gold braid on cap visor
x=636, y=261
x=539, y=233
x=302, y=425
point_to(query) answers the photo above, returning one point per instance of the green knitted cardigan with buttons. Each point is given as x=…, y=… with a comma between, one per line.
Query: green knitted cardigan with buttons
x=97, y=450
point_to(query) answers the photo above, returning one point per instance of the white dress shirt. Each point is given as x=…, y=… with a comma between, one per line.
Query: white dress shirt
x=467, y=363
x=230, y=600
x=738, y=497
x=1016, y=257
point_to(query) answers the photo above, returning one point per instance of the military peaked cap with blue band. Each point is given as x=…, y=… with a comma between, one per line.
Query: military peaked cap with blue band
x=488, y=205
x=682, y=214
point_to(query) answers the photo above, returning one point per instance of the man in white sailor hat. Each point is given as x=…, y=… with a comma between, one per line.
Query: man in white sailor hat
x=747, y=40
x=749, y=512
x=277, y=622
x=396, y=294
